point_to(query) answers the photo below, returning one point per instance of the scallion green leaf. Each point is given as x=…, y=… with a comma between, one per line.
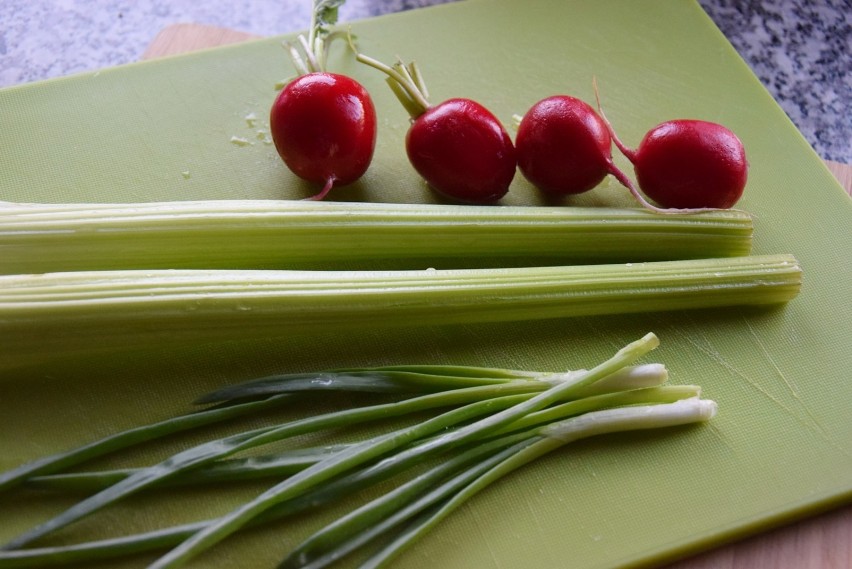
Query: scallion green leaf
x=125, y=439
x=212, y=450
x=278, y=464
x=498, y=420
x=591, y=424
x=230, y=523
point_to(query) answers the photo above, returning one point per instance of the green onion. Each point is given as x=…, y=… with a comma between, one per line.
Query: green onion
x=278, y=464
x=324, y=470
x=125, y=439
x=498, y=420
x=423, y=379
x=554, y=436
x=371, y=380
x=166, y=537
x=388, y=379
x=357, y=454
x=59, y=314
x=233, y=234
x=371, y=520
x=40, y=557
x=476, y=399
x=137, y=543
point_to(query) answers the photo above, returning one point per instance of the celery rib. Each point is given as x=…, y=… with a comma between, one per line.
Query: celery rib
x=58, y=314
x=239, y=234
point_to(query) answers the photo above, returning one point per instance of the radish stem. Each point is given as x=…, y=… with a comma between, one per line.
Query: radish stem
x=320, y=36
x=414, y=100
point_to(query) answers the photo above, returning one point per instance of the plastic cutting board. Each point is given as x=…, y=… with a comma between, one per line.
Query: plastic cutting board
x=782, y=443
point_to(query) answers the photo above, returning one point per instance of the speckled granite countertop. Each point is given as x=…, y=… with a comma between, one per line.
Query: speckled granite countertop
x=800, y=50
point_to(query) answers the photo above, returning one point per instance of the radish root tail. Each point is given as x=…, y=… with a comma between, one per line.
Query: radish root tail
x=323, y=192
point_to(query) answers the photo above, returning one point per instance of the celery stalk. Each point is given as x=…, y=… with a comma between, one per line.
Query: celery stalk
x=240, y=234
x=57, y=314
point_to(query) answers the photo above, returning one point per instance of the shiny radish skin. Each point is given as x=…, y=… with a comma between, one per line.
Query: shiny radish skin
x=690, y=164
x=563, y=146
x=324, y=128
x=459, y=147
x=462, y=151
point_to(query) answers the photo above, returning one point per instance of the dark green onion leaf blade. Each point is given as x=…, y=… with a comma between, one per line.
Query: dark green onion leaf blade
x=373, y=519
x=89, y=551
x=325, y=470
x=228, y=470
x=303, y=382
x=376, y=380
x=232, y=522
x=220, y=448
x=555, y=435
x=124, y=439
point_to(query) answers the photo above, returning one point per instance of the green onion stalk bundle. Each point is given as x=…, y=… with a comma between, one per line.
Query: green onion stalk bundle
x=480, y=425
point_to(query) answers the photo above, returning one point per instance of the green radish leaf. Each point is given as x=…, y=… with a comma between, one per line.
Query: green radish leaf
x=325, y=12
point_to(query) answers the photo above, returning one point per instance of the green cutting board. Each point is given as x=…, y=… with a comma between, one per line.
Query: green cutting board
x=781, y=445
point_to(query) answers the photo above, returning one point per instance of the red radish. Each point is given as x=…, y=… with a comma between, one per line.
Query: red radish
x=564, y=146
x=690, y=164
x=324, y=128
x=458, y=146
x=463, y=151
x=686, y=165
x=323, y=124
